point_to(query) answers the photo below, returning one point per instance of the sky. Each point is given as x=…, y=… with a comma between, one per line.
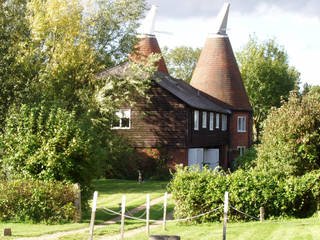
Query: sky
x=294, y=24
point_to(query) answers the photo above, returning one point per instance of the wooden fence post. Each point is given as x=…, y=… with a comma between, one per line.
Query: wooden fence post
x=123, y=210
x=148, y=215
x=261, y=214
x=93, y=214
x=77, y=202
x=164, y=211
x=225, y=214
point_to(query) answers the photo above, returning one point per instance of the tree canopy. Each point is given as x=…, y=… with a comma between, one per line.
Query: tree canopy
x=56, y=106
x=267, y=76
x=181, y=61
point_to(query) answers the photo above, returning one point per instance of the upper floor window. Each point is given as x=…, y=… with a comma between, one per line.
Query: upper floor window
x=211, y=116
x=196, y=119
x=217, y=120
x=204, y=119
x=241, y=124
x=223, y=122
x=122, y=119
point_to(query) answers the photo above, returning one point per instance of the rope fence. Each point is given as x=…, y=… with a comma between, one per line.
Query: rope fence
x=125, y=214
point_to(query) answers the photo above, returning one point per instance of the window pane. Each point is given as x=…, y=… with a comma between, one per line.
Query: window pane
x=211, y=121
x=125, y=122
x=224, y=122
x=217, y=120
x=196, y=120
x=204, y=119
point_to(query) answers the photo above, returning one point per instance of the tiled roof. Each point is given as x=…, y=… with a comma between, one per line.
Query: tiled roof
x=218, y=75
x=145, y=46
x=182, y=90
x=191, y=96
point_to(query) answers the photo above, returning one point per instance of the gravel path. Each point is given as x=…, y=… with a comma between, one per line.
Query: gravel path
x=112, y=221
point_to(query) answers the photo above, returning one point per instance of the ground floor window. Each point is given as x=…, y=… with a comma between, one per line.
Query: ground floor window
x=241, y=150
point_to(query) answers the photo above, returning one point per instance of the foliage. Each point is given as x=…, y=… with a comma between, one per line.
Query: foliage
x=181, y=61
x=290, y=141
x=50, y=143
x=267, y=77
x=198, y=192
x=37, y=201
x=52, y=50
x=247, y=160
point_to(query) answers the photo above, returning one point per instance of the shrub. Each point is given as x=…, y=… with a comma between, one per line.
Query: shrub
x=37, y=201
x=50, y=143
x=198, y=192
x=290, y=141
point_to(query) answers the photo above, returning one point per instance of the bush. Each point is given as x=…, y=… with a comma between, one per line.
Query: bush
x=198, y=192
x=50, y=143
x=290, y=141
x=37, y=201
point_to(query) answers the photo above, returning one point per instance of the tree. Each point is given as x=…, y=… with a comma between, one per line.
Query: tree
x=181, y=61
x=52, y=56
x=290, y=141
x=267, y=77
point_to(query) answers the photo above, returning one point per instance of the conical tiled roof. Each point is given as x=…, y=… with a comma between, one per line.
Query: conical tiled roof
x=217, y=72
x=145, y=46
x=147, y=42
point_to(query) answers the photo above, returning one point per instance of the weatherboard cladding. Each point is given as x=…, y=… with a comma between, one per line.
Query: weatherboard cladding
x=218, y=75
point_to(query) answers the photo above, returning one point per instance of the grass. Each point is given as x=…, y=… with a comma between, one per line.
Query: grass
x=295, y=229
x=110, y=194
x=156, y=212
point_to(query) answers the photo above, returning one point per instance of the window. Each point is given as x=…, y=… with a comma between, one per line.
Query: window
x=224, y=122
x=241, y=150
x=217, y=120
x=204, y=119
x=122, y=119
x=241, y=124
x=196, y=120
x=211, y=116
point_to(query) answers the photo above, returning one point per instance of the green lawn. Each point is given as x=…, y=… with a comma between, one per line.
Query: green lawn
x=295, y=229
x=110, y=194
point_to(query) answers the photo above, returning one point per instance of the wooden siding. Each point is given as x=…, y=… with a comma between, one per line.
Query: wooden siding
x=160, y=123
x=204, y=137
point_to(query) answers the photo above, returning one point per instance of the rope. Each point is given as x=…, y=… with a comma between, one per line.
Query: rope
x=158, y=221
x=200, y=215
x=110, y=213
x=255, y=218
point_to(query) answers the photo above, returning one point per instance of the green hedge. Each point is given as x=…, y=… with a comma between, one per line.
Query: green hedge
x=197, y=192
x=37, y=201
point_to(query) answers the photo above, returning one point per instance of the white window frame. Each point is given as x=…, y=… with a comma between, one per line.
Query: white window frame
x=196, y=119
x=241, y=123
x=211, y=120
x=121, y=114
x=217, y=120
x=204, y=119
x=241, y=150
x=224, y=122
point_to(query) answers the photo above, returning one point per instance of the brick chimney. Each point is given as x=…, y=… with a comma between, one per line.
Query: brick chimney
x=147, y=42
x=217, y=72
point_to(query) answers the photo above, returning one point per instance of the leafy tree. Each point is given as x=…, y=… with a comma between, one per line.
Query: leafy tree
x=307, y=88
x=52, y=56
x=181, y=61
x=267, y=77
x=290, y=141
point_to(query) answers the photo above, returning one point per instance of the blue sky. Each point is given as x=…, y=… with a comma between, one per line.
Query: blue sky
x=294, y=24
